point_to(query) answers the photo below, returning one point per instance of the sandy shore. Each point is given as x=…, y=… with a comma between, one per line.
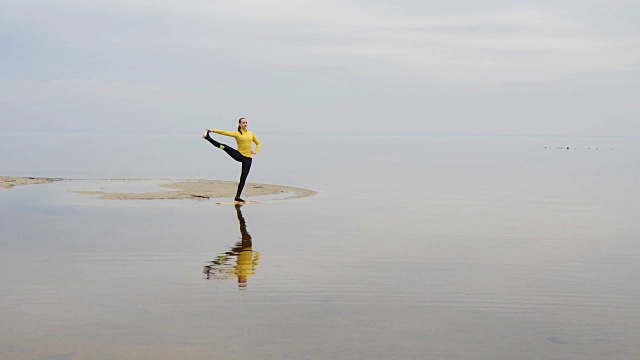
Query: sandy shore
x=186, y=189
x=7, y=182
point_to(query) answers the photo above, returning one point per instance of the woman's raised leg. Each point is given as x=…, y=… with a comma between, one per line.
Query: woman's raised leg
x=235, y=154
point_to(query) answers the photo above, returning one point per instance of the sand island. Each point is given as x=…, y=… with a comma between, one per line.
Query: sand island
x=183, y=189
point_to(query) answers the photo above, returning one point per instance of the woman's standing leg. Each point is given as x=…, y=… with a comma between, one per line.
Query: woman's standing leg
x=246, y=166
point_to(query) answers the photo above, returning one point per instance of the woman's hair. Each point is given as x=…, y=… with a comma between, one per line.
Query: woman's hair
x=239, y=127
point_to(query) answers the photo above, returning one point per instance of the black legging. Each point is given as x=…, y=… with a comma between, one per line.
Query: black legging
x=235, y=154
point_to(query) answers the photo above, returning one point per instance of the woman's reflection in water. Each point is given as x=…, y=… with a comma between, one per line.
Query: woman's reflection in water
x=246, y=260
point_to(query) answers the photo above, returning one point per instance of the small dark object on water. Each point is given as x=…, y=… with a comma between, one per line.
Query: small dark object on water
x=556, y=340
x=200, y=196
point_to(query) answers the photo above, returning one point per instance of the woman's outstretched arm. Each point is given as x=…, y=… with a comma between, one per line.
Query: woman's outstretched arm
x=224, y=132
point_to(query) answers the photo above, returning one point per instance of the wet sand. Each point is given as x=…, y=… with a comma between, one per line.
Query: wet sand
x=186, y=189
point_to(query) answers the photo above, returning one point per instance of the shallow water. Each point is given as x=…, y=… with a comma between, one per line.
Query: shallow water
x=415, y=247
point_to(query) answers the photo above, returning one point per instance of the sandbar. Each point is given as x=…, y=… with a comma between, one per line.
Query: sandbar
x=183, y=189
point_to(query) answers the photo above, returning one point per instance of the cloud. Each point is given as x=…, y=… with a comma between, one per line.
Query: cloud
x=497, y=45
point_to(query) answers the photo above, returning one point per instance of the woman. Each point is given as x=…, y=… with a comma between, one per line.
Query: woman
x=245, y=151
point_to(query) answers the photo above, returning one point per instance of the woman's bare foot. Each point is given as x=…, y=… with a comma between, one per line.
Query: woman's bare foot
x=206, y=133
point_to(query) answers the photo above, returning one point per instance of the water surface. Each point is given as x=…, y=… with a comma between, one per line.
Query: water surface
x=415, y=247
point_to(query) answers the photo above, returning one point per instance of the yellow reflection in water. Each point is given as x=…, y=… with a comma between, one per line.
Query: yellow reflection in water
x=240, y=262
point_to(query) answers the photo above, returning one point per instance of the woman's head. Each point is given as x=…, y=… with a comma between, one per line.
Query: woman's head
x=242, y=124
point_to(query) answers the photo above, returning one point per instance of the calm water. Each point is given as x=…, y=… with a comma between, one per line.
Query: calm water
x=415, y=248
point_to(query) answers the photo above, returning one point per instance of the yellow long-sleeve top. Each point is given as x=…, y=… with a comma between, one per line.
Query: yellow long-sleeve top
x=244, y=141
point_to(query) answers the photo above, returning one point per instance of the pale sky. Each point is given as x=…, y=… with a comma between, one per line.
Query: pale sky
x=562, y=67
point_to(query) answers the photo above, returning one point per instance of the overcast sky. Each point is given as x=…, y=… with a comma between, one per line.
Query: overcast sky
x=541, y=67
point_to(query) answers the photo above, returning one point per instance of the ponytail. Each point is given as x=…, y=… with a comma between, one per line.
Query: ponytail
x=239, y=127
